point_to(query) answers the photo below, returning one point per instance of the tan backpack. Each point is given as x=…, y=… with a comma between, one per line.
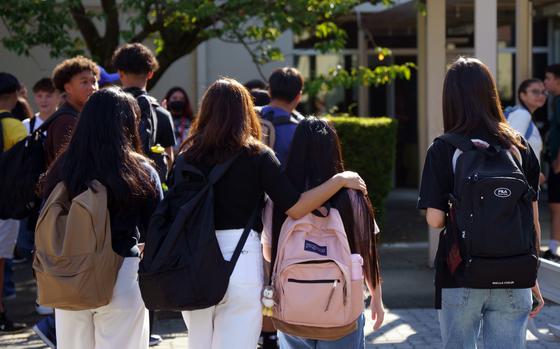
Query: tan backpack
x=75, y=265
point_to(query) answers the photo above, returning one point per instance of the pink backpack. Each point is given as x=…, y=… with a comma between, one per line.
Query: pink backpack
x=312, y=278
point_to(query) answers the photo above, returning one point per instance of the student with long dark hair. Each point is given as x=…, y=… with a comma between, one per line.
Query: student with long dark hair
x=316, y=156
x=105, y=146
x=227, y=126
x=473, y=113
x=177, y=101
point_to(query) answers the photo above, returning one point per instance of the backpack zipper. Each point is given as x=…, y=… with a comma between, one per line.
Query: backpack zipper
x=331, y=295
x=318, y=281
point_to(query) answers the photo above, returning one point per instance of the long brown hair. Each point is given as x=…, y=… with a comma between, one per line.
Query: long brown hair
x=315, y=156
x=471, y=102
x=226, y=123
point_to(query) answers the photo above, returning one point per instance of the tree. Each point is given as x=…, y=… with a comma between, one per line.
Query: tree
x=177, y=27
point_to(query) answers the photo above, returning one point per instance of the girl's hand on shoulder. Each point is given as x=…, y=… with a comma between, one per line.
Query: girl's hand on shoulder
x=352, y=180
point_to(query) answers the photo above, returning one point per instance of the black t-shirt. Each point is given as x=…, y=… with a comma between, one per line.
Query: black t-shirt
x=237, y=193
x=437, y=176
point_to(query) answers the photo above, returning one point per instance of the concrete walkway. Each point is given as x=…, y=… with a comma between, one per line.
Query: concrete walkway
x=403, y=329
x=407, y=290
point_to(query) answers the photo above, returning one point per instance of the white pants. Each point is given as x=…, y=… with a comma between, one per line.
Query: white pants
x=234, y=323
x=121, y=324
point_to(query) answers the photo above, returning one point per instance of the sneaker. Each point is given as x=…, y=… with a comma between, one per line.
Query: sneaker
x=548, y=254
x=41, y=310
x=7, y=326
x=270, y=340
x=46, y=332
x=155, y=339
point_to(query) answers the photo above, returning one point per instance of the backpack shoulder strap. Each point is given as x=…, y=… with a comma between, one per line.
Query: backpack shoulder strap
x=284, y=120
x=220, y=169
x=32, y=122
x=244, y=236
x=145, y=102
x=268, y=115
x=530, y=128
x=60, y=111
x=460, y=142
x=278, y=120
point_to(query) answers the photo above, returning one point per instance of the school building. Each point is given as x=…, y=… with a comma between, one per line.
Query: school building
x=516, y=38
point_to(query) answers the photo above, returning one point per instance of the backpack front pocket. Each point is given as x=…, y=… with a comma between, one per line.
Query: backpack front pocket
x=314, y=298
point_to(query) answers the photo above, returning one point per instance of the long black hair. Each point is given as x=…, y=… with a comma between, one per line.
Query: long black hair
x=471, y=102
x=315, y=156
x=105, y=145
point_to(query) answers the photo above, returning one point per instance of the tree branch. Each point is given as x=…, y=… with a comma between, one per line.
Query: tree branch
x=112, y=27
x=254, y=57
x=176, y=46
x=87, y=28
x=148, y=27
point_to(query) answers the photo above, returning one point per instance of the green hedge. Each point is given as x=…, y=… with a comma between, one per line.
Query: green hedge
x=369, y=147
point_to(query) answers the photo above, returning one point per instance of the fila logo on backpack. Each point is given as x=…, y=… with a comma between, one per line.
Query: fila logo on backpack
x=75, y=265
x=490, y=232
x=315, y=294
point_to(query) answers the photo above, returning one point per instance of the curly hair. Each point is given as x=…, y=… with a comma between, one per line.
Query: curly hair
x=66, y=70
x=135, y=59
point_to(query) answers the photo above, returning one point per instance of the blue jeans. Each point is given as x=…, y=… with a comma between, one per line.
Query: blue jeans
x=354, y=340
x=502, y=314
x=9, y=287
x=26, y=239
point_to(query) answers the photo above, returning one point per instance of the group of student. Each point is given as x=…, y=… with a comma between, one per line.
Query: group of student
x=111, y=136
x=97, y=135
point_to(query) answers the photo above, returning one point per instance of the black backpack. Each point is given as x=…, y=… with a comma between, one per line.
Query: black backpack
x=490, y=237
x=148, y=129
x=20, y=169
x=182, y=267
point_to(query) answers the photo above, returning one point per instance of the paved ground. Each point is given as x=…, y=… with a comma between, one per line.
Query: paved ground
x=403, y=329
x=408, y=291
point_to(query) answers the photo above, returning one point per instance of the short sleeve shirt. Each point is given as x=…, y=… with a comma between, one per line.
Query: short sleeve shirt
x=13, y=131
x=437, y=175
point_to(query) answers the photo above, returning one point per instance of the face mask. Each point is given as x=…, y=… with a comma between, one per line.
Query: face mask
x=176, y=107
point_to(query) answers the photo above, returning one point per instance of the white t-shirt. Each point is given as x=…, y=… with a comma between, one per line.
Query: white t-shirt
x=38, y=122
x=520, y=119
